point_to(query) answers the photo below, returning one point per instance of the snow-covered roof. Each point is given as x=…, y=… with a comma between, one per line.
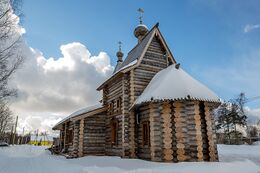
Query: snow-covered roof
x=79, y=112
x=175, y=84
x=128, y=65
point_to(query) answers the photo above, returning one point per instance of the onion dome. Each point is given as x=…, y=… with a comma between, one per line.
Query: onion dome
x=140, y=31
x=120, y=54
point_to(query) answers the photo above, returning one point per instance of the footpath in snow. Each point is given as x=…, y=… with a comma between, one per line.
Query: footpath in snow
x=35, y=159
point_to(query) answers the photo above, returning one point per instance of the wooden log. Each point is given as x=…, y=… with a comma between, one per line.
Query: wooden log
x=167, y=129
x=152, y=134
x=198, y=131
x=81, y=135
x=132, y=133
x=212, y=147
x=179, y=132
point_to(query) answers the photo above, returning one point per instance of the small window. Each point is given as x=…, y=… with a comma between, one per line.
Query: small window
x=146, y=133
x=118, y=103
x=114, y=130
x=111, y=108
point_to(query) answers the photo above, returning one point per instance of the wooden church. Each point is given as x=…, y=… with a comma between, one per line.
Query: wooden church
x=151, y=109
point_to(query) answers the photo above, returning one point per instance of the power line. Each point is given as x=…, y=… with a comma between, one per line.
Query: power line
x=252, y=99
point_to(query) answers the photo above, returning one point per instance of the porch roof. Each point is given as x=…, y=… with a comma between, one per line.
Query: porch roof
x=76, y=114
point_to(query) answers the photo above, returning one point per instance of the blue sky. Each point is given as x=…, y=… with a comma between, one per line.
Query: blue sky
x=207, y=37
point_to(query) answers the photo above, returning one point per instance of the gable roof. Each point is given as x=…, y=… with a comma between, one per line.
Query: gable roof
x=77, y=113
x=135, y=56
x=137, y=51
x=175, y=84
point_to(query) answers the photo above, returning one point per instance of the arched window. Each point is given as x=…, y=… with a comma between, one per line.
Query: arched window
x=114, y=131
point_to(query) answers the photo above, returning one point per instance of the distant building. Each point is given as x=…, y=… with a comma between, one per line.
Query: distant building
x=42, y=140
x=151, y=109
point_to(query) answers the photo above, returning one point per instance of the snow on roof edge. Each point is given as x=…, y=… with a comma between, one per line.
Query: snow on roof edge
x=78, y=112
x=178, y=85
x=120, y=70
x=167, y=99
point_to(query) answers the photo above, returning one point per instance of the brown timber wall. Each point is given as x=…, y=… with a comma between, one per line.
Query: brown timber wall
x=153, y=61
x=177, y=131
x=76, y=139
x=114, y=90
x=70, y=144
x=94, y=135
x=143, y=151
x=126, y=134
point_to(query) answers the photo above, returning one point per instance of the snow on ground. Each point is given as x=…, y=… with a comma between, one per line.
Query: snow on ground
x=229, y=153
x=35, y=159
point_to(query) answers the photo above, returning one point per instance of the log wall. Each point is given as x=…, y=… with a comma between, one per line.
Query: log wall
x=213, y=154
x=81, y=138
x=114, y=90
x=94, y=135
x=127, y=135
x=179, y=131
x=156, y=132
x=76, y=139
x=143, y=151
x=153, y=61
x=69, y=147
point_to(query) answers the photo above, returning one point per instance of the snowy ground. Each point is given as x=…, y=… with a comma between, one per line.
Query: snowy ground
x=34, y=159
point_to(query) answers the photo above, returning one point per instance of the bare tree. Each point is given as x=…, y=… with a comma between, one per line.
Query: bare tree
x=6, y=119
x=10, y=57
x=10, y=41
x=228, y=117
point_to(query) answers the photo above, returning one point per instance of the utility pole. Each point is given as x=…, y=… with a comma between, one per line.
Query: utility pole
x=11, y=136
x=16, y=121
x=23, y=136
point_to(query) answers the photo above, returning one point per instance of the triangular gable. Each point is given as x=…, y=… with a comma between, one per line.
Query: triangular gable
x=138, y=52
x=147, y=40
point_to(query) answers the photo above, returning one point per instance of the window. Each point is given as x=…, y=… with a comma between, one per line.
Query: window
x=118, y=105
x=146, y=133
x=115, y=106
x=114, y=130
x=111, y=108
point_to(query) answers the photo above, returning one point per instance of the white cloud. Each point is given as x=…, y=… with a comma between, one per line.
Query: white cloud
x=249, y=28
x=253, y=115
x=48, y=87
